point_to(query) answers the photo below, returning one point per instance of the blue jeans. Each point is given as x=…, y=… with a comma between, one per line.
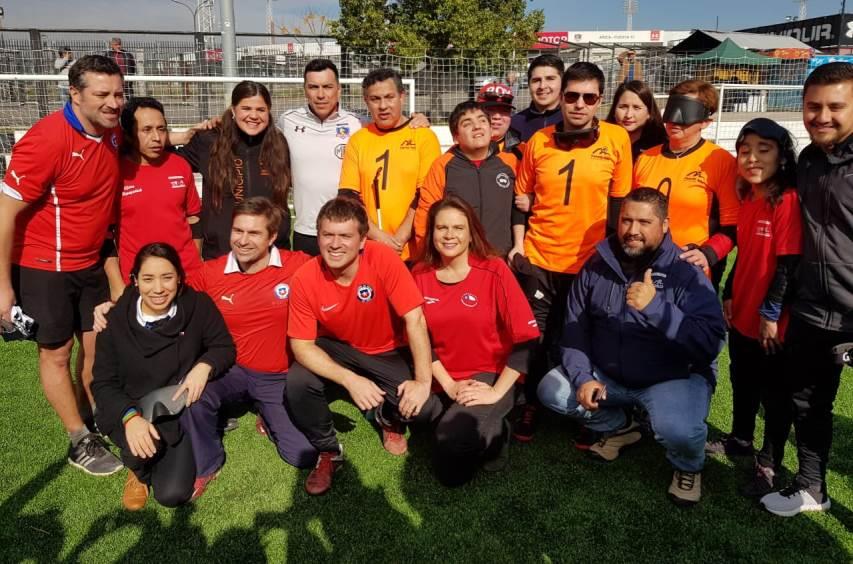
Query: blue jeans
x=677, y=410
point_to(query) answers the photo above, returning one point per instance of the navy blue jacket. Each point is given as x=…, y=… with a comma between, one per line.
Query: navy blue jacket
x=529, y=120
x=680, y=332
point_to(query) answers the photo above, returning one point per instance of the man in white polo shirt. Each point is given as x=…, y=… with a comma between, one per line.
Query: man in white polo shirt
x=316, y=136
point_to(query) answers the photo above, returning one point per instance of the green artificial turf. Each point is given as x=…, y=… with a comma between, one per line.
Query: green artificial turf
x=550, y=505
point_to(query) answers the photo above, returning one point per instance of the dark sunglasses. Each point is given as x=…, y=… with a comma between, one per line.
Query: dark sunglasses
x=588, y=98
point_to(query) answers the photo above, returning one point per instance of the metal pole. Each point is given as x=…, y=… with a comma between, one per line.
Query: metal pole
x=841, y=24
x=229, y=45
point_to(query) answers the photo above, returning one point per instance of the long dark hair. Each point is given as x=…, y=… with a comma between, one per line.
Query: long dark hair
x=785, y=177
x=654, y=132
x=274, y=155
x=479, y=246
x=163, y=251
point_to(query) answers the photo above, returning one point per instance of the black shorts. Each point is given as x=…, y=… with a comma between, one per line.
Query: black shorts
x=60, y=302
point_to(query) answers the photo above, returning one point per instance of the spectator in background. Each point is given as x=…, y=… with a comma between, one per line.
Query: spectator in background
x=125, y=61
x=543, y=78
x=62, y=64
x=635, y=109
x=496, y=100
x=512, y=81
x=630, y=68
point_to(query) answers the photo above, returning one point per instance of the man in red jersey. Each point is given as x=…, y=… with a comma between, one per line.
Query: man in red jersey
x=252, y=288
x=54, y=213
x=352, y=309
x=159, y=201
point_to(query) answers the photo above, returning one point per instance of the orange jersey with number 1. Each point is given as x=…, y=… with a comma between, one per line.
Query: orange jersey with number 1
x=571, y=188
x=393, y=162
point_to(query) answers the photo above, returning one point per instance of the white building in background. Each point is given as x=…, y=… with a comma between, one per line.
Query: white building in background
x=633, y=38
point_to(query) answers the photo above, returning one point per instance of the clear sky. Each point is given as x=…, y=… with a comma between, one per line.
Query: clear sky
x=560, y=15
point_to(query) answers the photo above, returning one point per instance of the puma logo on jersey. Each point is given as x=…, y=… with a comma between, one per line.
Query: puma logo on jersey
x=79, y=155
x=229, y=299
x=16, y=177
x=408, y=144
x=326, y=309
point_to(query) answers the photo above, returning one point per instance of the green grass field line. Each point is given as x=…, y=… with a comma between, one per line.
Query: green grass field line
x=550, y=505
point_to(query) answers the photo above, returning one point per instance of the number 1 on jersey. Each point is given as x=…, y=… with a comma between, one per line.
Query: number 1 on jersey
x=383, y=158
x=569, y=169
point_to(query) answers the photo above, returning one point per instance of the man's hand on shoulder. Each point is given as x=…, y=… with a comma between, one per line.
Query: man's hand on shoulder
x=419, y=120
x=640, y=294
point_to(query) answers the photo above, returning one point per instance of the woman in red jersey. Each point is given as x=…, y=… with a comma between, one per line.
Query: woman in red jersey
x=481, y=329
x=769, y=233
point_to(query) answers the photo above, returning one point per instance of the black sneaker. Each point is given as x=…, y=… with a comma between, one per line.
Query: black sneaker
x=729, y=445
x=501, y=459
x=587, y=437
x=525, y=424
x=92, y=456
x=762, y=483
x=231, y=424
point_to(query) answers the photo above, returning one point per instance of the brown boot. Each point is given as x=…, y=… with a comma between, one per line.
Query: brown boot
x=135, y=493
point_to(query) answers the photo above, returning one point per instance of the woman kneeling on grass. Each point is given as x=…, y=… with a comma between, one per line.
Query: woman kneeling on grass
x=481, y=329
x=769, y=234
x=160, y=333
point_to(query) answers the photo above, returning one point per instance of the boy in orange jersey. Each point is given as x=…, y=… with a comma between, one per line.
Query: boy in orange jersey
x=478, y=172
x=386, y=162
x=577, y=174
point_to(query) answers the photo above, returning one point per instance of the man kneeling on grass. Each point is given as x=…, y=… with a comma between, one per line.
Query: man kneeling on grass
x=642, y=328
x=352, y=309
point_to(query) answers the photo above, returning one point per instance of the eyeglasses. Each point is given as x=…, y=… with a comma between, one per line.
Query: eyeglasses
x=588, y=97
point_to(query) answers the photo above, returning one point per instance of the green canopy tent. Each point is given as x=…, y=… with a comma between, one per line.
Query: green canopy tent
x=729, y=62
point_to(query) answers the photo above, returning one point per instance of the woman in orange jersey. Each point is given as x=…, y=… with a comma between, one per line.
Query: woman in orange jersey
x=697, y=176
x=634, y=108
x=482, y=331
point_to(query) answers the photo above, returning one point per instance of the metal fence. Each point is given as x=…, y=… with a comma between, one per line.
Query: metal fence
x=441, y=81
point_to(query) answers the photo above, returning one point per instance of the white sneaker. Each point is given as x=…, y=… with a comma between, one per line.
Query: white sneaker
x=793, y=500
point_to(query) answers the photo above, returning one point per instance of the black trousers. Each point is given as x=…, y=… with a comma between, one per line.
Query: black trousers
x=306, y=392
x=814, y=383
x=760, y=379
x=170, y=472
x=547, y=292
x=305, y=243
x=465, y=436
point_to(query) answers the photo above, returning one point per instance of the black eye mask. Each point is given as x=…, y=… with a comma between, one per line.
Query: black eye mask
x=158, y=403
x=577, y=138
x=684, y=110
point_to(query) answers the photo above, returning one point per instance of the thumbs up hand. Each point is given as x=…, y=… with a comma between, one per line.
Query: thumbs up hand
x=640, y=294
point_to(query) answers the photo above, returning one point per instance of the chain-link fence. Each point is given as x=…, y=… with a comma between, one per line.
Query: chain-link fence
x=441, y=81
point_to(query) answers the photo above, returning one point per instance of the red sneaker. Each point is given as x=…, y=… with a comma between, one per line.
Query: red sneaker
x=525, y=424
x=259, y=427
x=394, y=440
x=319, y=481
x=201, y=483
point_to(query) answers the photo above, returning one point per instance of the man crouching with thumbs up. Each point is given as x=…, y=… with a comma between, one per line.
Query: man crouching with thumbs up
x=642, y=328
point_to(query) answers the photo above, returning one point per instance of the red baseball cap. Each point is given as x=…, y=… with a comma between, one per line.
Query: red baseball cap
x=496, y=94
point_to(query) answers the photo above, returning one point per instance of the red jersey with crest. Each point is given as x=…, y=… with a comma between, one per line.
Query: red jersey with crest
x=474, y=324
x=367, y=314
x=70, y=179
x=763, y=233
x=255, y=306
x=154, y=205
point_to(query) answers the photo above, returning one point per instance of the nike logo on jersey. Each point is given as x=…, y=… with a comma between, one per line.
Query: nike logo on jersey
x=79, y=155
x=229, y=299
x=325, y=309
x=16, y=177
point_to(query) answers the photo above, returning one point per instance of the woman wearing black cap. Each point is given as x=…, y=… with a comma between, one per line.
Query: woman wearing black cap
x=160, y=333
x=769, y=233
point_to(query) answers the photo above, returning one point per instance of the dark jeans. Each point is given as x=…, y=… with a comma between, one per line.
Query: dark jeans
x=814, y=383
x=306, y=392
x=465, y=436
x=305, y=243
x=266, y=391
x=547, y=292
x=170, y=472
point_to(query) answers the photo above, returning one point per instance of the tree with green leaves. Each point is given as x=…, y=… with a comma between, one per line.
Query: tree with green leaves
x=469, y=28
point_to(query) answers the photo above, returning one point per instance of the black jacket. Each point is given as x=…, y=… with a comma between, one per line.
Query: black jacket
x=131, y=361
x=825, y=277
x=216, y=226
